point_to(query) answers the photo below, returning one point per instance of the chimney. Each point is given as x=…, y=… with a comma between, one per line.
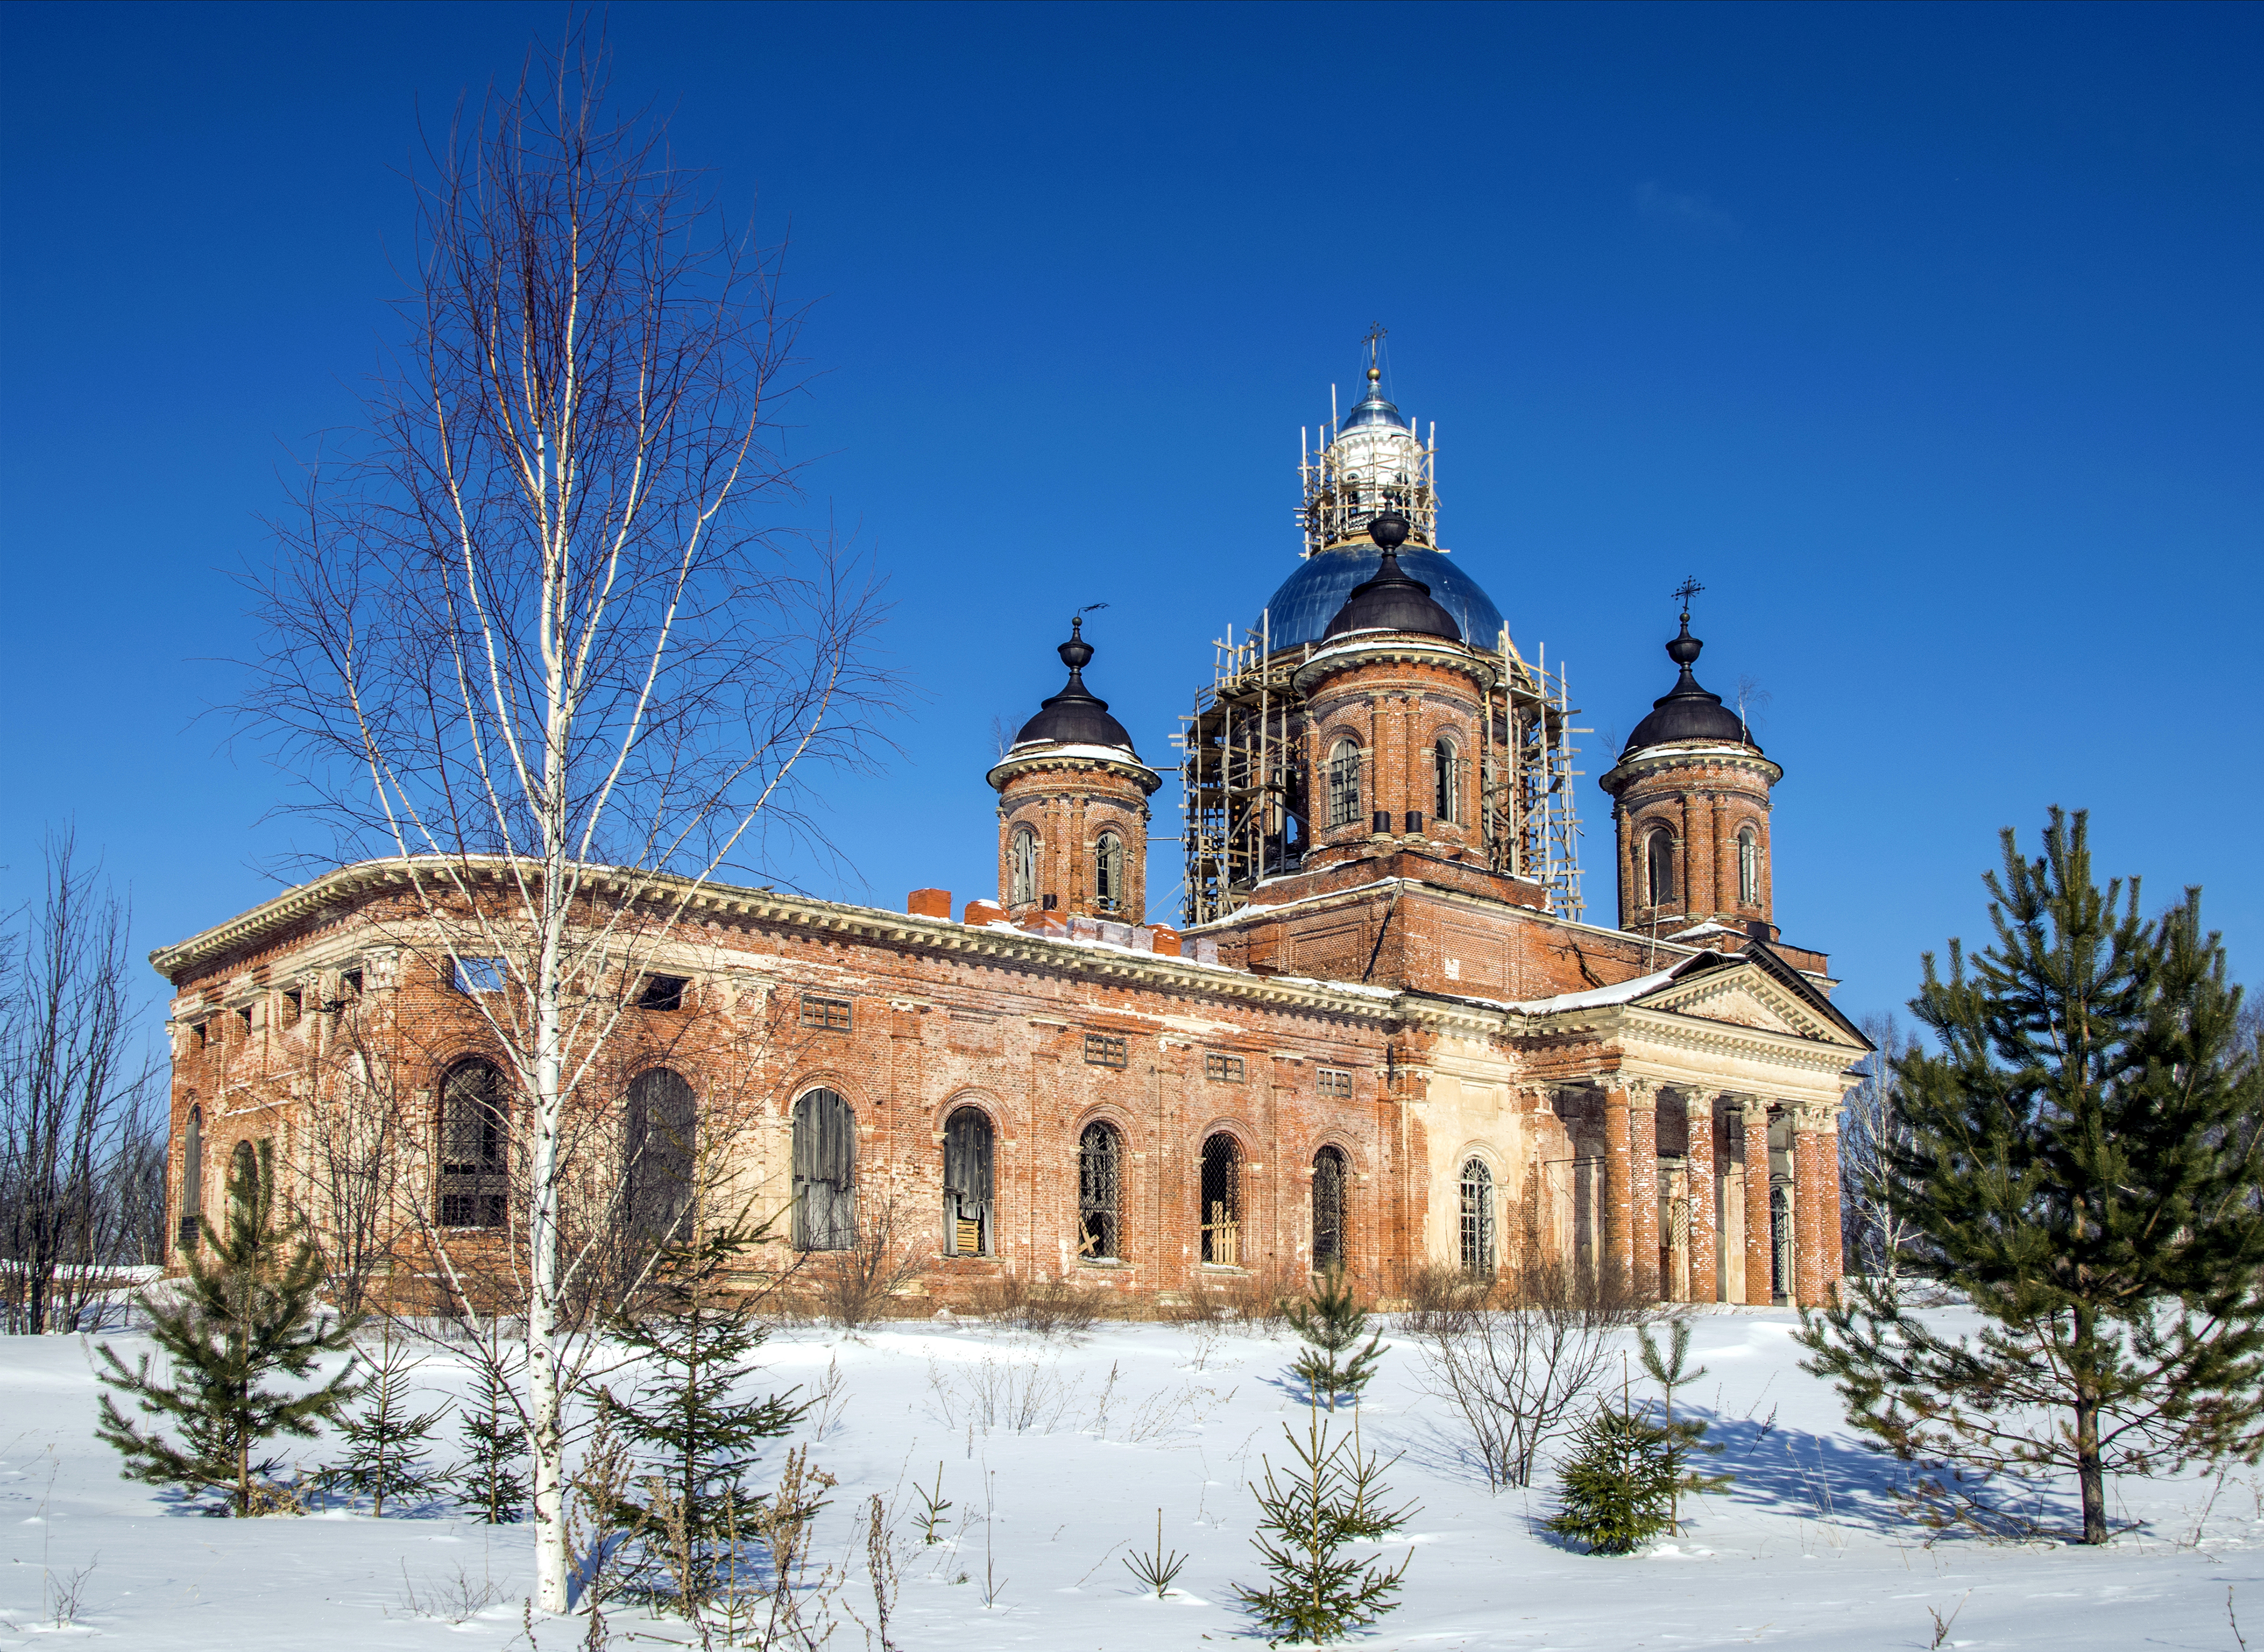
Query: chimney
x=929, y=903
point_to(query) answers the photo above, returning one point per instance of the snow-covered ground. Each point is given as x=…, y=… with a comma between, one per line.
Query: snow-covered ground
x=1807, y=1551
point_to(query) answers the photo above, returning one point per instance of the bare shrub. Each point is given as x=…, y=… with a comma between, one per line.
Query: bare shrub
x=993, y=1394
x=855, y=1284
x=1045, y=1308
x=1439, y=1298
x=1519, y=1376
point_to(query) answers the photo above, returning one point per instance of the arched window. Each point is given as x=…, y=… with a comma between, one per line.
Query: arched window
x=824, y=1172
x=1447, y=793
x=1328, y=1209
x=243, y=1176
x=656, y=1147
x=1658, y=866
x=967, y=1228
x=1221, y=1201
x=1780, y=1241
x=193, y=1180
x=1477, y=1217
x=472, y=1138
x=1749, y=866
x=1344, y=784
x=1108, y=872
x=1099, y=1192
x=1022, y=866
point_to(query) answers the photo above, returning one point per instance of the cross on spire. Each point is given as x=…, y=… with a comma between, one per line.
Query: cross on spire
x=1683, y=592
x=1373, y=339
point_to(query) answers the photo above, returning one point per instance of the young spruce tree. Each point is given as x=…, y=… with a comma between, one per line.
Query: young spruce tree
x=2079, y=1168
x=388, y=1445
x=492, y=1482
x=697, y=1336
x=1617, y=1489
x=248, y=1317
x=1331, y=1321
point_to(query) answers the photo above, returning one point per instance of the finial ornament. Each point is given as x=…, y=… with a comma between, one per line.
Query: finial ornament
x=1683, y=593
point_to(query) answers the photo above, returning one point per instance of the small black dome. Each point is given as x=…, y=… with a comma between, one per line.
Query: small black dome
x=1392, y=601
x=1687, y=712
x=1075, y=716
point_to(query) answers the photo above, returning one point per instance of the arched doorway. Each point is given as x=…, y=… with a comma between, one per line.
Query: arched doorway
x=968, y=1229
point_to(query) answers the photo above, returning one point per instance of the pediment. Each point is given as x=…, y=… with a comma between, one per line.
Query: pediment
x=1741, y=994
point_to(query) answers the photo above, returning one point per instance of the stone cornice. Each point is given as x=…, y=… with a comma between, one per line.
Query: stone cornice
x=1386, y=648
x=1693, y=755
x=1078, y=760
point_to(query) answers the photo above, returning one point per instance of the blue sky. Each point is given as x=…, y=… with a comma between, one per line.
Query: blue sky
x=1928, y=337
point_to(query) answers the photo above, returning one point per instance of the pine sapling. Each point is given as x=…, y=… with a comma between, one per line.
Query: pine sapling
x=1331, y=1323
x=248, y=1316
x=1685, y=1441
x=492, y=1481
x=1157, y=1570
x=387, y=1444
x=1327, y=1496
x=1617, y=1489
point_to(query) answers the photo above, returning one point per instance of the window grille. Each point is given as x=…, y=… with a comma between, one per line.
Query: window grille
x=1328, y=1208
x=1108, y=872
x=1333, y=1081
x=824, y=1172
x=478, y=975
x=1477, y=1217
x=472, y=1147
x=967, y=1211
x=657, y=1157
x=1022, y=866
x=1225, y=1069
x=1780, y=1241
x=1749, y=869
x=827, y=1015
x=1104, y=1049
x=1100, y=1193
x=1221, y=1201
x=662, y=992
x=1344, y=784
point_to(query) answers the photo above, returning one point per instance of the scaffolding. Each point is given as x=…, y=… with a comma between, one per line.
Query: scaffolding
x=1243, y=764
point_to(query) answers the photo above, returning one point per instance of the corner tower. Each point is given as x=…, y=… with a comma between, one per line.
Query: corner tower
x=1690, y=808
x=1073, y=808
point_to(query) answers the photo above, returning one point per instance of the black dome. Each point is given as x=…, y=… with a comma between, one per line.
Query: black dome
x=1392, y=601
x=1688, y=712
x=1075, y=716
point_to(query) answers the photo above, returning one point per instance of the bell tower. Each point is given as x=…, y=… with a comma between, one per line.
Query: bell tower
x=1073, y=808
x=1690, y=808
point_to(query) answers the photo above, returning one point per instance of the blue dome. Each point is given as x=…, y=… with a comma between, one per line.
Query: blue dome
x=1309, y=598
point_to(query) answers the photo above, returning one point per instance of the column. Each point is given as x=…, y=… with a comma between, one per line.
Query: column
x=1619, y=1211
x=1642, y=1189
x=1755, y=1112
x=1698, y=1113
x=1813, y=1194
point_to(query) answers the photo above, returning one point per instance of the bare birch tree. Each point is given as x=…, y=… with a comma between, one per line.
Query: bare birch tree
x=74, y=1092
x=531, y=644
x=1871, y=1128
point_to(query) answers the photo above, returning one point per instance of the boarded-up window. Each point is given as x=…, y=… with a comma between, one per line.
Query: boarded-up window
x=967, y=1218
x=193, y=1180
x=824, y=1172
x=1328, y=1208
x=1221, y=1201
x=472, y=1146
x=1477, y=1217
x=1099, y=1192
x=1225, y=1070
x=656, y=1147
x=1104, y=1049
x=1108, y=872
x=1022, y=867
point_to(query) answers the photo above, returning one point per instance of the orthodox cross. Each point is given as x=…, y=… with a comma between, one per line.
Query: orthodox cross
x=1685, y=592
x=1373, y=340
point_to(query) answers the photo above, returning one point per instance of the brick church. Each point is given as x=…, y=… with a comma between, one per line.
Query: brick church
x=1378, y=1031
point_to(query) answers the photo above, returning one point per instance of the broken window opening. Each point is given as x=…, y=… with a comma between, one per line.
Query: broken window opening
x=967, y=1213
x=1221, y=1201
x=473, y=1162
x=1328, y=1209
x=1477, y=1217
x=193, y=1181
x=824, y=1172
x=662, y=992
x=1100, y=1193
x=656, y=1167
x=1108, y=872
x=1658, y=867
x=1104, y=1049
x=1022, y=867
x=1225, y=1070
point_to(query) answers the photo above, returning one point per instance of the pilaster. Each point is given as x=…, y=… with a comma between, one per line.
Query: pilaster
x=1754, y=1113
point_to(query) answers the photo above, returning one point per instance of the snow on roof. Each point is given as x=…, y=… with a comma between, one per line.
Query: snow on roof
x=1059, y=749
x=1596, y=998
